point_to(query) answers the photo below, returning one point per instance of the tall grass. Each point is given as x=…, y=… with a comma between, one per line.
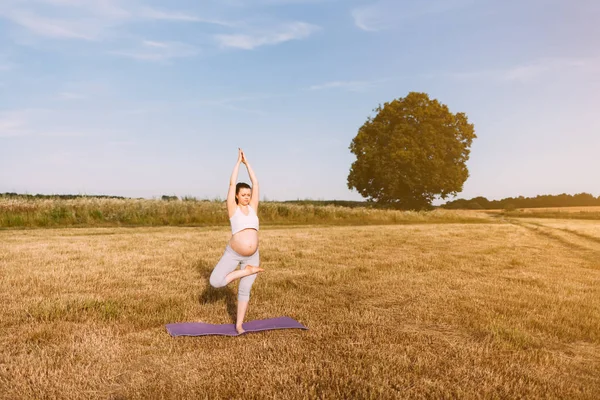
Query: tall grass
x=19, y=212
x=554, y=214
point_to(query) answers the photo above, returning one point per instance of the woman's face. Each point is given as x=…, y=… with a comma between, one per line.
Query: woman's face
x=244, y=196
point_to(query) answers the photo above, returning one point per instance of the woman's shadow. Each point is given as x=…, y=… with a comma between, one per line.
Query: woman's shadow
x=211, y=294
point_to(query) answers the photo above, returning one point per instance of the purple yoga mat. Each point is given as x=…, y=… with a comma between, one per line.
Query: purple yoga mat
x=201, y=328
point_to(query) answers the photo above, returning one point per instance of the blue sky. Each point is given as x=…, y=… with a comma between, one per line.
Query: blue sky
x=144, y=98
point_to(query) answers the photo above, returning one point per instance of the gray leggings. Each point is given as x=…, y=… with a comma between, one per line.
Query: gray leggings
x=228, y=263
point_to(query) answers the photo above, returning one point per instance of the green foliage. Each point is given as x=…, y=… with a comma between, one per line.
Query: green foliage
x=56, y=196
x=169, y=198
x=189, y=198
x=512, y=203
x=412, y=151
x=340, y=203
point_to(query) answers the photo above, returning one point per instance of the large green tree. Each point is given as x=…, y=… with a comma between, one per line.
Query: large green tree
x=413, y=150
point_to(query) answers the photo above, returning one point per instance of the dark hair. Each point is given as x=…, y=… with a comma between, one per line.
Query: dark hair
x=238, y=187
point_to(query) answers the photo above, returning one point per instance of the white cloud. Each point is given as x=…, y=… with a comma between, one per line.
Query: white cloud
x=154, y=14
x=292, y=31
x=352, y=86
x=151, y=43
x=387, y=14
x=532, y=71
x=368, y=18
x=230, y=104
x=87, y=19
x=79, y=90
x=64, y=133
x=107, y=8
x=101, y=20
x=64, y=19
x=56, y=28
x=159, y=51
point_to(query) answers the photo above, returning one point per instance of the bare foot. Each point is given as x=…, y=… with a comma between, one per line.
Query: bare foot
x=253, y=269
x=239, y=329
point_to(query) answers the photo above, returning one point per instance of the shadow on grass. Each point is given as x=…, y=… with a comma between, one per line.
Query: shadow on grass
x=211, y=294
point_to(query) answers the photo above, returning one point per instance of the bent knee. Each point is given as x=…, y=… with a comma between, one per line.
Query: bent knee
x=216, y=281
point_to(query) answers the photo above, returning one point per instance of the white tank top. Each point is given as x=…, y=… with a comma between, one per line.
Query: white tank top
x=240, y=221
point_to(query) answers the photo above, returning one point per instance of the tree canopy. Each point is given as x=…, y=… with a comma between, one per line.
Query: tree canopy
x=413, y=150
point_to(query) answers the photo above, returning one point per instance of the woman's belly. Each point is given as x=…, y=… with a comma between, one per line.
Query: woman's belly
x=245, y=242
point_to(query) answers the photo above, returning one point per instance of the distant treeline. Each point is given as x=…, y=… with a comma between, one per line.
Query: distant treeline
x=512, y=203
x=339, y=203
x=477, y=203
x=58, y=196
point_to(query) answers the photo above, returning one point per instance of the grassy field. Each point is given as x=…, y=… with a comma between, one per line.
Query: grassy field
x=564, y=209
x=587, y=213
x=499, y=310
x=91, y=212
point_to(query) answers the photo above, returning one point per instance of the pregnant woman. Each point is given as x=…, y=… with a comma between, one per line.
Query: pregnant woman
x=242, y=204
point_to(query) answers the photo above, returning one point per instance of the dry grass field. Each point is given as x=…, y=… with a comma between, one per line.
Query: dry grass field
x=585, y=213
x=499, y=310
x=556, y=209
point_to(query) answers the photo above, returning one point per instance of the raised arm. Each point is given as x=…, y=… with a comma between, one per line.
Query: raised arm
x=231, y=204
x=255, y=187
